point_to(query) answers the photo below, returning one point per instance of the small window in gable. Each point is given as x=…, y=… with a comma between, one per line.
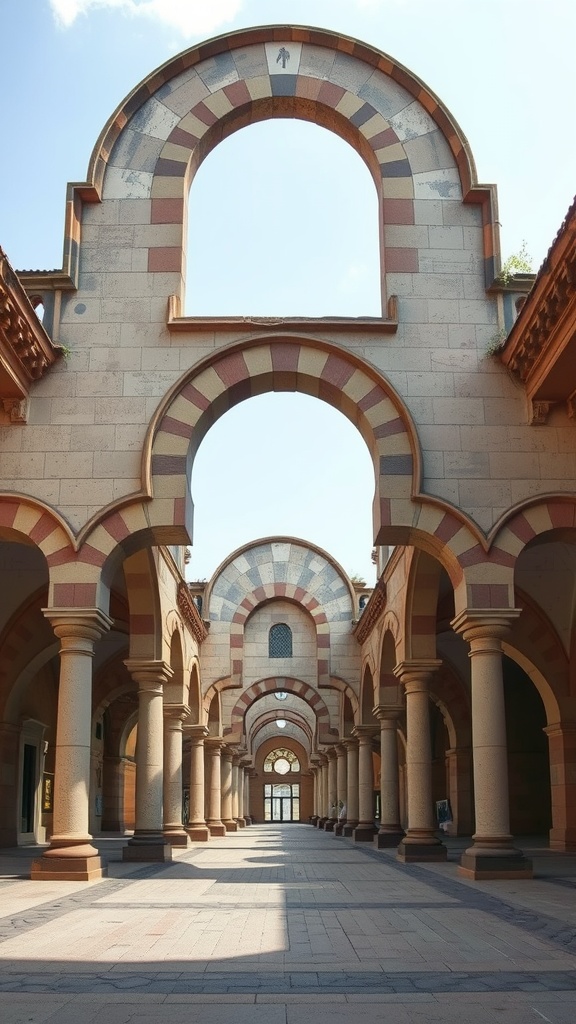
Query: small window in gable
x=280, y=641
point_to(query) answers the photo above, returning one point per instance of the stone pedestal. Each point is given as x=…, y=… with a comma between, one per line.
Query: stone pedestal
x=493, y=854
x=71, y=856
x=332, y=808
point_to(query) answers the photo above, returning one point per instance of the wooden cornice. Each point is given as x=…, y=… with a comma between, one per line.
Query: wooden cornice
x=190, y=613
x=541, y=347
x=26, y=351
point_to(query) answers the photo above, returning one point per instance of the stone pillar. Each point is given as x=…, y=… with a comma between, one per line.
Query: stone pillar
x=174, y=831
x=562, y=747
x=459, y=786
x=226, y=795
x=341, y=786
x=148, y=842
x=247, y=813
x=365, y=829
x=237, y=791
x=71, y=856
x=324, y=812
x=420, y=842
x=314, y=770
x=351, y=744
x=390, y=832
x=197, y=828
x=113, y=794
x=213, y=746
x=492, y=854
x=332, y=808
x=9, y=744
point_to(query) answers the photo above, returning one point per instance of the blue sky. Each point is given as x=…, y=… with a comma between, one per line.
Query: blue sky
x=504, y=68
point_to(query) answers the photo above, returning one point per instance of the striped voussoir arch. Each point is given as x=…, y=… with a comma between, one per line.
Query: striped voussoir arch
x=289, y=716
x=153, y=144
x=266, y=686
x=313, y=368
x=290, y=592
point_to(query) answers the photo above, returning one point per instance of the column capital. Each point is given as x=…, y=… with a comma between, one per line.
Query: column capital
x=215, y=742
x=416, y=673
x=388, y=712
x=78, y=623
x=365, y=732
x=350, y=742
x=150, y=674
x=177, y=712
x=197, y=733
x=487, y=625
x=332, y=753
x=340, y=749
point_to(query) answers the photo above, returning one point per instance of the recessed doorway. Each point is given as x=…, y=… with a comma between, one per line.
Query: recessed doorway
x=282, y=802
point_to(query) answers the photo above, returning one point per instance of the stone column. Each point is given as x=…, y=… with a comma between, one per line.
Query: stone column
x=332, y=808
x=9, y=809
x=113, y=793
x=341, y=786
x=365, y=829
x=390, y=832
x=226, y=794
x=562, y=747
x=71, y=856
x=324, y=812
x=247, y=814
x=197, y=828
x=459, y=785
x=420, y=842
x=315, y=769
x=492, y=854
x=213, y=746
x=174, y=831
x=351, y=744
x=148, y=842
x=237, y=798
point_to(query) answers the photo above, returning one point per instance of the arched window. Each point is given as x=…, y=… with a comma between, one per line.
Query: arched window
x=280, y=641
x=282, y=761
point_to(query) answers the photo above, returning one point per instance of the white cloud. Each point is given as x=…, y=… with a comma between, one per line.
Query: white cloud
x=188, y=17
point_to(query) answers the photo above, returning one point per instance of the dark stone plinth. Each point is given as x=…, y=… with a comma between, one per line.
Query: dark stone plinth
x=433, y=850
x=364, y=833
x=385, y=840
x=485, y=864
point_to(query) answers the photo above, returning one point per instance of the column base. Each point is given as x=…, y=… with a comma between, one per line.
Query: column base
x=142, y=852
x=248, y=820
x=482, y=862
x=339, y=828
x=421, y=848
x=241, y=822
x=330, y=824
x=321, y=822
x=198, y=833
x=68, y=869
x=313, y=819
x=563, y=840
x=216, y=828
x=387, y=839
x=364, y=832
x=230, y=825
x=179, y=839
x=348, y=830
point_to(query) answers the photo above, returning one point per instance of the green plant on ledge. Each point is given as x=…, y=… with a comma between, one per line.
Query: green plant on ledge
x=518, y=263
x=496, y=342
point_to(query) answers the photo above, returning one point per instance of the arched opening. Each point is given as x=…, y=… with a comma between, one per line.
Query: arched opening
x=266, y=452
x=528, y=758
x=291, y=191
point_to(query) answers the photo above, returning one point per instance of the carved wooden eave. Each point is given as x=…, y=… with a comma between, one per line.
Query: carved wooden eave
x=541, y=347
x=372, y=612
x=26, y=351
x=190, y=613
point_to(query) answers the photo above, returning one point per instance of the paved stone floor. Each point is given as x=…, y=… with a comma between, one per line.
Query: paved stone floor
x=287, y=925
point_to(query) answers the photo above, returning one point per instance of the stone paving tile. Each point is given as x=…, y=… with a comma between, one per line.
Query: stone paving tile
x=288, y=920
